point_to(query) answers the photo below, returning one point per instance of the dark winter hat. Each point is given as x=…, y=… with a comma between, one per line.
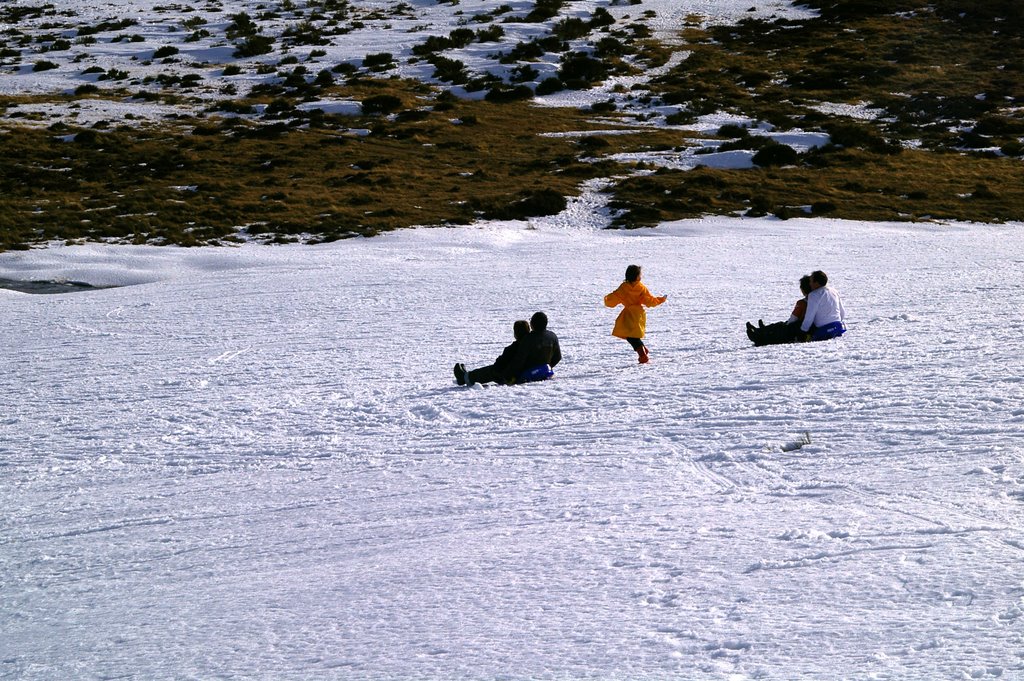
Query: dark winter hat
x=539, y=321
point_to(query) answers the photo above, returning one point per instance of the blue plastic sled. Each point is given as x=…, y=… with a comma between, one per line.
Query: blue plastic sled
x=540, y=372
x=829, y=331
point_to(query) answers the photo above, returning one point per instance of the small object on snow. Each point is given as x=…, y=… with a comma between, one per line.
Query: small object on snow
x=642, y=355
x=802, y=442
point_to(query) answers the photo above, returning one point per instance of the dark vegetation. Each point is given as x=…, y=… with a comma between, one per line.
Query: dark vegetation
x=436, y=162
x=946, y=80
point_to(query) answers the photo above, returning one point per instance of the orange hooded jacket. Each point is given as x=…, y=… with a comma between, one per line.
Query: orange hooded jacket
x=633, y=296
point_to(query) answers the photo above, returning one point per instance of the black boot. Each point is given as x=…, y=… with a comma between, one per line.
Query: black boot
x=460, y=374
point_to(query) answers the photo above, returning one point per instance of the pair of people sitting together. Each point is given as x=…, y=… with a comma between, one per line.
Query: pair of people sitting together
x=817, y=316
x=531, y=357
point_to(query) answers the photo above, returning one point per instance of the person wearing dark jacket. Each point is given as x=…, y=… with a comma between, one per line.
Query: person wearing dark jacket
x=538, y=353
x=499, y=372
x=782, y=332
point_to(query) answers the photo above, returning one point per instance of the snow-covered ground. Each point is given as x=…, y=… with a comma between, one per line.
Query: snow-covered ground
x=373, y=27
x=254, y=463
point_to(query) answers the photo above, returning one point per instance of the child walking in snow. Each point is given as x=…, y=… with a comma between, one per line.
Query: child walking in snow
x=632, y=321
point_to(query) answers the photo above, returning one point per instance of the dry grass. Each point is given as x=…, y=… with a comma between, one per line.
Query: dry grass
x=446, y=166
x=949, y=81
x=290, y=175
x=914, y=185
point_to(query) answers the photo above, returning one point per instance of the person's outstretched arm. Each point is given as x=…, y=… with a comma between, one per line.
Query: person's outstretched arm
x=652, y=301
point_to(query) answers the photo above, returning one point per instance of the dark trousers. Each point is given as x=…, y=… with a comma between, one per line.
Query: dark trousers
x=774, y=334
x=780, y=332
x=636, y=343
x=485, y=375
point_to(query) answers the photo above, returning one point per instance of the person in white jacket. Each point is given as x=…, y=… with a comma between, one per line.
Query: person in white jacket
x=825, y=313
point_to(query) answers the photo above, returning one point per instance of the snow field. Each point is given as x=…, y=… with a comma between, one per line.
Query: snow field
x=374, y=28
x=255, y=464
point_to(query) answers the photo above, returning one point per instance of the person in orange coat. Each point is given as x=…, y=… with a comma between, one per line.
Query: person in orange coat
x=631, y=323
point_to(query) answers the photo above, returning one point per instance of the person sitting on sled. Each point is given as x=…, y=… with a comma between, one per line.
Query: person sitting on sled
x=631, y=324
x=499, y=371
x=825, y=312
x=530, y=358
x=538, y=354
x=782, y=332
